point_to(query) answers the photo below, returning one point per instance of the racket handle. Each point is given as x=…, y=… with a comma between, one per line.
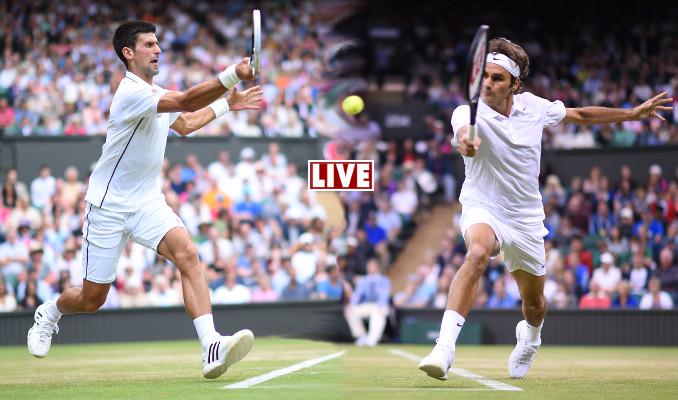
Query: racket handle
x=472, y=133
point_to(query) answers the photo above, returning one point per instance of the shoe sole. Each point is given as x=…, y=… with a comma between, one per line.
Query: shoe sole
x=240, y=346
x=434, y=372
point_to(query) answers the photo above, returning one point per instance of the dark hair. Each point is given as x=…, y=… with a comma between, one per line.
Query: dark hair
x=515, y=53
x=126, y=36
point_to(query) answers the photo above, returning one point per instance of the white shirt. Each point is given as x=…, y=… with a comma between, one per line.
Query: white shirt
x=126, y=175
x=609, y=280
x=239, y=294
x=42, y=190
x=665, y=301
x=304, y=262
x=502, y=177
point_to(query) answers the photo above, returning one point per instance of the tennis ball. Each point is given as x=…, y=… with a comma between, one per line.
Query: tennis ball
x=352, y=105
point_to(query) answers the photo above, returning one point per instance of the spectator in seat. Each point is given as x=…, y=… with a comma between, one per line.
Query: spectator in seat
x=370, y=300
x=656, y=299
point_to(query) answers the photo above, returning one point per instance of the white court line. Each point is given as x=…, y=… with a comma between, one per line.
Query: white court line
x=380, y=389
x=284, y=371
x=496, y=385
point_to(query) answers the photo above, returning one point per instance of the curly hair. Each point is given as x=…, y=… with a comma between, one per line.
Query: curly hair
x=515, y=53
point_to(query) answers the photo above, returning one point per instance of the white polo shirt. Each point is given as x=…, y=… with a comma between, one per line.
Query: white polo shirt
x=126, y=175
x=503, y=176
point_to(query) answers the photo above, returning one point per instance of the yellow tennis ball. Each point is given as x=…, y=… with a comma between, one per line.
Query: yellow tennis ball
x=352, y=105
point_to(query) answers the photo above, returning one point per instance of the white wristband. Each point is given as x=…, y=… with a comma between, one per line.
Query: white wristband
x=220, y=107
x=229, y=77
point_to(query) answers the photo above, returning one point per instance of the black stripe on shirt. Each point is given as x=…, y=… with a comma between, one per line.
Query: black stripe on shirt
x=118, y=163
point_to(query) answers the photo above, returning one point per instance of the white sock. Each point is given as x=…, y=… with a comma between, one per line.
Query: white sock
x=450, y=328
x=204, y=325
x=52, y=311
x=534, y=333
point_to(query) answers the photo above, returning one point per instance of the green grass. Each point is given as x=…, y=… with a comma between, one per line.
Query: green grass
x=172, y=370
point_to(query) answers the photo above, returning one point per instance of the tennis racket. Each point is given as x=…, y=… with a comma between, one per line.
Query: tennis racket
x=474, y=74
x=255, y=59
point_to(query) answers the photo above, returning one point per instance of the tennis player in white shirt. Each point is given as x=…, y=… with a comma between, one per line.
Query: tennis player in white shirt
x=124, y=198
x=501, y=204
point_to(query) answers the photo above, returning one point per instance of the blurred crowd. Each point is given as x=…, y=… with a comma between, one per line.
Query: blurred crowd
x=58, y=68
x=612, y=243
x=260, y=234
x=620, y=61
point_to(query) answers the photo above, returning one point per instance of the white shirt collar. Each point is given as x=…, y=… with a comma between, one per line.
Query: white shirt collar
x=135, y=78
x=517, y=108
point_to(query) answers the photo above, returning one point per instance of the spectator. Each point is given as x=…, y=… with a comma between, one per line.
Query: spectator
x=71, y=189
x=7, y=300
x=370, y=300
x=656, y=299
x=264, y=292
x=333, y=287
x=667, y=271
x=304, y=260
x=162, y=294
x=295, y=291
x=639, y=275
x=7, y=115
x=42, y=188
x=13, y=256
x=623, y=298
x=595, y=298
x=607, y=276
x=231, y=292
x=500, y=298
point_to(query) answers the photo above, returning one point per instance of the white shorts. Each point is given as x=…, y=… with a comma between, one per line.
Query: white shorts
x=523, y=248
x=105, y=234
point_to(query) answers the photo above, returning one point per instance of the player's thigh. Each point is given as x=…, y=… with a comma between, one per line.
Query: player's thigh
x=480, y=227
x=152, y=224
x=104, y=239
x=178, y=247
x=482, y=234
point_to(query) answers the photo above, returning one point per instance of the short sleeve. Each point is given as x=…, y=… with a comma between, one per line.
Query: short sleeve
x=460, y=117
x=141, y=102
x=554, y=112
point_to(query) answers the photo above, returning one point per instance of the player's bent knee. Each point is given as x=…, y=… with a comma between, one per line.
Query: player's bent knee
x=537, y=306
x=478, y=256
x=94, y=304
x=186, y=256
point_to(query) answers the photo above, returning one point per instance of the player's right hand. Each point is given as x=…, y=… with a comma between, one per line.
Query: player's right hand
x=243, y=70
x=465, y=146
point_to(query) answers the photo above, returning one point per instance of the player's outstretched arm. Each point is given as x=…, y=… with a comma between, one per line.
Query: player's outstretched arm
x=190, y=122
x=203, y=94
x=603, y=115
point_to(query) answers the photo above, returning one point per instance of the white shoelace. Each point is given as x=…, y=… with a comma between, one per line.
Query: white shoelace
x=45, y=328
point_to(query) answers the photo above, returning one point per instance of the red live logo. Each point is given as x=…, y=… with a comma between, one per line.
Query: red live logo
x=353, y=175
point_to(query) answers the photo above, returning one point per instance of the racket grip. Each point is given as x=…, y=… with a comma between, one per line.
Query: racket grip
x=472, y=133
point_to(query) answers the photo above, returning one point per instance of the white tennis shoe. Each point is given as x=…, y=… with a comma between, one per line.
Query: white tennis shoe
x=438, y=362
x=226, y=351
x=521, y=358
x=39, y=338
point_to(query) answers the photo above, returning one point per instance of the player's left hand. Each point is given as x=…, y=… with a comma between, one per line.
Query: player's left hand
x=243, y=70
x=651, y=106
x=250, y=99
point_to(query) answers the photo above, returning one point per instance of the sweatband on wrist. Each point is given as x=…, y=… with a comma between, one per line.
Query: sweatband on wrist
x=220, y=107
x=229, y=77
